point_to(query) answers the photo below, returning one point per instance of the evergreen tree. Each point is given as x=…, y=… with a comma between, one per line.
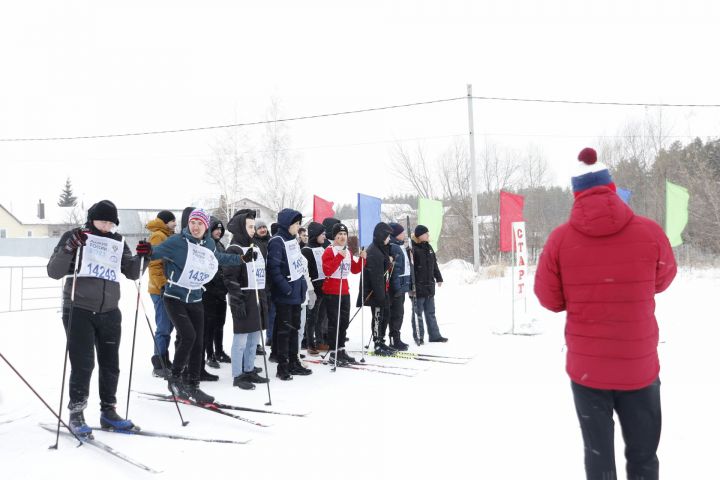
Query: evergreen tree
x=66, y=197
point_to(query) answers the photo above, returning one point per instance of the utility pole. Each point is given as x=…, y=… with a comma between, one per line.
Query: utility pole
x=473, y=183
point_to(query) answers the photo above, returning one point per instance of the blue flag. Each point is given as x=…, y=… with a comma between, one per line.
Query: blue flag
x=625, y=195
x=368, y=217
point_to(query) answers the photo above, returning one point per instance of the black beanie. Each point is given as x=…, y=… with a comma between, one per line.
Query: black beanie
x=337, y=228
x=166, y=216
x=420, y=230
x=396, y=228
x=104, y=210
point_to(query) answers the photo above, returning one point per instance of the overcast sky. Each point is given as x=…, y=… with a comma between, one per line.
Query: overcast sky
x=78, y=68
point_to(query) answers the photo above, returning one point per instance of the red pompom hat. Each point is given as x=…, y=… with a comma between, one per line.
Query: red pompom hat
x=590, y=173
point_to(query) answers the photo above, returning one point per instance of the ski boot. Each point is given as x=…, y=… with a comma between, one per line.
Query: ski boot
x=110, y=420
x=78, y=426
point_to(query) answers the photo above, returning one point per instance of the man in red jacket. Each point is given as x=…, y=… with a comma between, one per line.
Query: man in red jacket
x=604, y=267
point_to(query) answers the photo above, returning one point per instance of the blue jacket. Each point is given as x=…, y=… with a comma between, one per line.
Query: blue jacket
x=399, y=283
x=173, y=253
x=278, y=271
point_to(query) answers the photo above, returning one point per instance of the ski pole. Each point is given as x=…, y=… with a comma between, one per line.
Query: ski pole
x=76, y=269
x=262, y=337
x=337, y=323
x=363, y=302
x=132, y=354
x=42, y=400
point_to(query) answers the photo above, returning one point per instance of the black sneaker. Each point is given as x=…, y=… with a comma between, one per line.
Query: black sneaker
x=77, y=424
x=283, y=372
x=257, y=370
x=223, y=357
x=341, y=362
x=383, y=350
x=242, y=382
x=296, y=368
x=176, y=386
x=110, y=420
x=259, y=351
x=158, y=370
x=254, y=377
x=206, y=376
x=343, y=355
x=212, y=362
x=440, y=339
x=198, y=395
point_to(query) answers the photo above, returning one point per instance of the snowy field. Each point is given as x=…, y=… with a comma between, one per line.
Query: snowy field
x=507, y=414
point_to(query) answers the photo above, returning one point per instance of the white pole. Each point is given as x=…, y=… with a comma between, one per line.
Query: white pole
x=473, y=183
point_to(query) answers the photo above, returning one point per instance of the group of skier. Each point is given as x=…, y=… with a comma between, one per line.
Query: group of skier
x=293, y=284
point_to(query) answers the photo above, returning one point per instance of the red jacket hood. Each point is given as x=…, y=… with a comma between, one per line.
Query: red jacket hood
x=599, y=212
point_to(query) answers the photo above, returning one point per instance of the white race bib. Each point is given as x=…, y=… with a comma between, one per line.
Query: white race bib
x=255, y=270
x=200, y=267
x=406, y=273
x=318, y=253
x=343, y=271
x=101, y=257
x=295, y=263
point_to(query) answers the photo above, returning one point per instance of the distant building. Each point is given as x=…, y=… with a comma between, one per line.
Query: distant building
x=45, y=221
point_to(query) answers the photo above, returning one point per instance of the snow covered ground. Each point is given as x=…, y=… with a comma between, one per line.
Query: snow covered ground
x=507, y=414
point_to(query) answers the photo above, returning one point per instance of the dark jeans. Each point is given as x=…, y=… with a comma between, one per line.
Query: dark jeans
x=215, y=310
x=287, y=328
x=397, y=312
x=270, y=321
x=380, y=316
x=332, y=302
x=89, y=332
x=640, y=419
x=425, y=307
x=189, y=321
x=313, y=324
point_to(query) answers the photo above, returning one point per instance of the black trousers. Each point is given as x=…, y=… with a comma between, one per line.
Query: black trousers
x=331, y=302
x=189, y=321
x=285, y=333
x=90, y=332
x=640, y=419
x=215, y=311
x=313, y=323
x=397, y=312
x=380, y=316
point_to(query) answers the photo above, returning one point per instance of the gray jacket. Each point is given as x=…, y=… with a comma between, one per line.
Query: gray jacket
x=93, y=294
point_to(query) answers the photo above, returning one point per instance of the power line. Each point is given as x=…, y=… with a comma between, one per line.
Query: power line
x=232, y=125
x=363, y=110
x=590, y=102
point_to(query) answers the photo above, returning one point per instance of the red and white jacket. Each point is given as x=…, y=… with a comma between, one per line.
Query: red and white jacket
x=334, y=266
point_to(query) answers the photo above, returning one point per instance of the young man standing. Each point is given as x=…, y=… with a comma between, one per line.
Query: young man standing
x=337, y=264
x=160, y=229
x=604, y=267
x=400, y=284
x=93, y=320
x=215, y=306
x=286, y=275
x=313, y=254
x=427, y=273
x=377, y=285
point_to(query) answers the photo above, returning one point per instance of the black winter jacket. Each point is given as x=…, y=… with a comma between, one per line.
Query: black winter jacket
x=376, y=266
x=427, y=271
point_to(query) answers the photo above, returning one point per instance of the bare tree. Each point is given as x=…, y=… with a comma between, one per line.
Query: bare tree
x=227, y=170
x=415, y=171
x=280, y=170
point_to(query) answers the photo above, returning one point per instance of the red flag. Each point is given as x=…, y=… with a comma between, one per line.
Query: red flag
x=511, y=210
x=322, y=209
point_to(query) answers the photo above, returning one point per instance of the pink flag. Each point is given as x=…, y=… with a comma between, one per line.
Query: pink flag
x=322, y=209
x=511, y=210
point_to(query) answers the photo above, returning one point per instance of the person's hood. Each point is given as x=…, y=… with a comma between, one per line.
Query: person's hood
x=381, y=231
x=286, y=217
x=237, y=227
x=185, y=216
x=328, y=224
x=599, y=212
x=314, y=230
x=157, y=225
x=217, y=223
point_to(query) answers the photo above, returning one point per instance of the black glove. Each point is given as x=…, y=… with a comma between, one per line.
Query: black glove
x=250, y=256
x=75, y=240
x=143, y=249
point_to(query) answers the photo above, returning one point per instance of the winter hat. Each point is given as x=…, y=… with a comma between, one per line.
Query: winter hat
x=590, y=173
x=259, y=224
x=420, y=230
x=315, y=229
x=337, y=228
x=104, y=210
x=166, y=216
x=396, y=228
x=273, y=228
x=216, y=223
x=199, y=214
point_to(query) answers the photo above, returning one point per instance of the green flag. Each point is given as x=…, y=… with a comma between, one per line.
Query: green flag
x=430, y=214
x=676, y=214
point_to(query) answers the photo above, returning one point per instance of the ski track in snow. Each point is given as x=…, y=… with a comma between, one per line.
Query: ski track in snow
x=507, y=414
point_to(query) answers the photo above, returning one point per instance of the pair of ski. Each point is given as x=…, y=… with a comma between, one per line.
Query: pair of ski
x=220, y=408
x=423, y=357
x=376, y=368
